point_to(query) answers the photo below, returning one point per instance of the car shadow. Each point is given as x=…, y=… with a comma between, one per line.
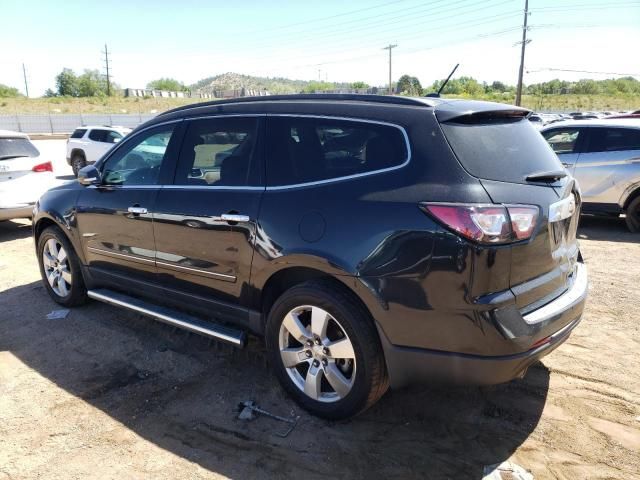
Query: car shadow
x=181, y=393
x=14, y=230
x=608, y=229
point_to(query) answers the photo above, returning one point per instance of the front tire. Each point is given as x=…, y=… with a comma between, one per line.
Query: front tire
x=633, y=215
x=60, y=268
x=77, y=163
x=325, y=351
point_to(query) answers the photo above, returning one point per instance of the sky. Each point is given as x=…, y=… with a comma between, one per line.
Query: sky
x=333, y=40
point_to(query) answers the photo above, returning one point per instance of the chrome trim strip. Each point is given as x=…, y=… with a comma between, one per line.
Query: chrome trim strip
x=209, y=187
x=565, y=301
x=107, y=253
x=197, y=271
x=164, y=317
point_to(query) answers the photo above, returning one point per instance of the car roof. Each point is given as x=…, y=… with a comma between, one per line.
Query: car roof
x=11, y=134
x=597, y=122
x=103, y=127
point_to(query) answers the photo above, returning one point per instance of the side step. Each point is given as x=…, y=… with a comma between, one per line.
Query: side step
x=234, y=337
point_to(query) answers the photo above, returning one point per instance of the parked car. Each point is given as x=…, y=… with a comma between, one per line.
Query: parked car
x=24, y=176
x=370, y=240
x=87, y=144
x=536, y=120
x=604, y=156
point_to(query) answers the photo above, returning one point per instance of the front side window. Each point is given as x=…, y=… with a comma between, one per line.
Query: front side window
x=562, y=140
x=138, y=161
x=98, y=135
x=614, y=139
x=218, y=152
x=302, y=150
x=113, y=137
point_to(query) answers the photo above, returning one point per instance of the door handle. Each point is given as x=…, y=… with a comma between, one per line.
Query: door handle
x=137, y=210
x=234, y=217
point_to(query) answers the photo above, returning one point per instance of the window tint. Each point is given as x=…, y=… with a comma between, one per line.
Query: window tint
x=502, y=150
x=17, y=147
x=112, y=137
x=562, y=140
x=302, y=150
x=218, y=151
x=614, y=139
x=98, y=135
x=79, y=133
x=138, y=161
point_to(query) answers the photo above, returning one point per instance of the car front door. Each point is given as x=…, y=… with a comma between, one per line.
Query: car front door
x=114, y=218
x=205, y=222
x=608, y=162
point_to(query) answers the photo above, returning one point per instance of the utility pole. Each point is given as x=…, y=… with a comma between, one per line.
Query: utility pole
x=524, y=45
x=26, y=85
x=106, y=62
x=390, y=47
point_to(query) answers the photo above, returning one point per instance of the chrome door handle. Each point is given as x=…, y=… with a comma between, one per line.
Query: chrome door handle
x=137, y=210
x=234, y=217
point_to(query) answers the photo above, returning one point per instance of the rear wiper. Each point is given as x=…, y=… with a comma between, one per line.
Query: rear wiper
x=8, y=157
x=546, y=176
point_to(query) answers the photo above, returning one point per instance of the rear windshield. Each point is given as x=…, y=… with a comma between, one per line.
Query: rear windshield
x=17, y=147
x=506, y=150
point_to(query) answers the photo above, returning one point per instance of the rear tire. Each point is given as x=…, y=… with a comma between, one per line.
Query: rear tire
x=60, y=268
x=335, y=371
x=633, y=215
x=77, y=163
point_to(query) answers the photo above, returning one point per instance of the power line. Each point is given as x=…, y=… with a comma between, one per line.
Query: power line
x=106, y=62
x=390, y=47
x=524, y=46
x=583, y=71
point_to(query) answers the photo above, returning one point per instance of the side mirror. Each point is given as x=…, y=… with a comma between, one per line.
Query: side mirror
x=89, y=175
x=116, y=140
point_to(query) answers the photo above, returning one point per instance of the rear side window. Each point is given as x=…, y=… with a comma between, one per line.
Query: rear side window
x=17, y=147
x=613, y=139
x=98, y=135
x=562, y=140
x=79, y=133
x=502, y=149
x=302, y=150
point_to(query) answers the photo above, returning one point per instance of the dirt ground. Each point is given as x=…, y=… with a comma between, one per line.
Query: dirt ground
x=107, y=394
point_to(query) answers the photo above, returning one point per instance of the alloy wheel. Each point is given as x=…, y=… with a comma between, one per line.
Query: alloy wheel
x=56, y=267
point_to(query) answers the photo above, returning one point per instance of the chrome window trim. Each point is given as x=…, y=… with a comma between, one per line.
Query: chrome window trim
x=108, y=253
x=171, y=266
x=210, y=187
x=346, y=177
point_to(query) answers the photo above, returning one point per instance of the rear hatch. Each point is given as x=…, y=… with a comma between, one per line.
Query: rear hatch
x=499, y=146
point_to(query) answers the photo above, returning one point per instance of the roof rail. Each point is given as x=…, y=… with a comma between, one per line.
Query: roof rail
x=387, y=99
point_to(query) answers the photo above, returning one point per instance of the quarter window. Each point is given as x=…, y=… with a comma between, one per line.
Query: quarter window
x=614, y=139
x=562, y=140
x=302, y=150
x=78, y=133
x=138, y=161
x=218, y=152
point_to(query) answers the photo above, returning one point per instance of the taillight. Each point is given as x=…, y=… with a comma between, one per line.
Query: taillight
x=43, y=167
x=489, y=224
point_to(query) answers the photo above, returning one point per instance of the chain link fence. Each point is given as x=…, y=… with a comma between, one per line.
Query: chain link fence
x=67, y=123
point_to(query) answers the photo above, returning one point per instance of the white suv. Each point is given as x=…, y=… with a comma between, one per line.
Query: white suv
x=88, y=144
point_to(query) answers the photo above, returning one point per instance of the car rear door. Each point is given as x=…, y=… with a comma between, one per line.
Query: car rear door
x=205, y=223
x=611, y=156
x=566, y=142
x=511, y=160
x=115, y=218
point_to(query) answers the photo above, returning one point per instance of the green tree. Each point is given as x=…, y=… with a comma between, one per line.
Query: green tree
x=67, y=83
x=91, y=84
x=315, y=86
x=169, y=84
x=359, y=85
x=8, y=92
x=408, y=85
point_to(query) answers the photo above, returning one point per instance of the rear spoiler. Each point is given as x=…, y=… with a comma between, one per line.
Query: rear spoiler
x=470, y=112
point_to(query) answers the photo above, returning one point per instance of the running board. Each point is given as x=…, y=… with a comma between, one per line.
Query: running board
x=237, y=338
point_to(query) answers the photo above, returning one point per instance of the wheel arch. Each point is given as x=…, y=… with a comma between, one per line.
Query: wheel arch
x=78, y=151
x=634, y=192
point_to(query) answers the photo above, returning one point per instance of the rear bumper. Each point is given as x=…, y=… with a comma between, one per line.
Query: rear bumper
x=539, y=332
x=17, y=211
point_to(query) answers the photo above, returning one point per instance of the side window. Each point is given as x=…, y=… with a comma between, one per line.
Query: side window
x=614, y=139
x=305, y=150
x=138, y=161
x=562, y=140
x=218, y=152
x=98, y=135
x=112, y=137
x=78, y=133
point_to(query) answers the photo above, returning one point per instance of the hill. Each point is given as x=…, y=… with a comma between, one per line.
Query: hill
x=275, y=85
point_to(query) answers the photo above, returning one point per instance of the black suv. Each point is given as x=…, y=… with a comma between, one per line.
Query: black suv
x=371, y=240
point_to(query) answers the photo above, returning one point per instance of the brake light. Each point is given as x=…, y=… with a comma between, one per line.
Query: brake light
x=489, y=224
x=43, y=167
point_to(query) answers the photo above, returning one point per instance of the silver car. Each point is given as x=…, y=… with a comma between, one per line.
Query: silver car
x=604, y=155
